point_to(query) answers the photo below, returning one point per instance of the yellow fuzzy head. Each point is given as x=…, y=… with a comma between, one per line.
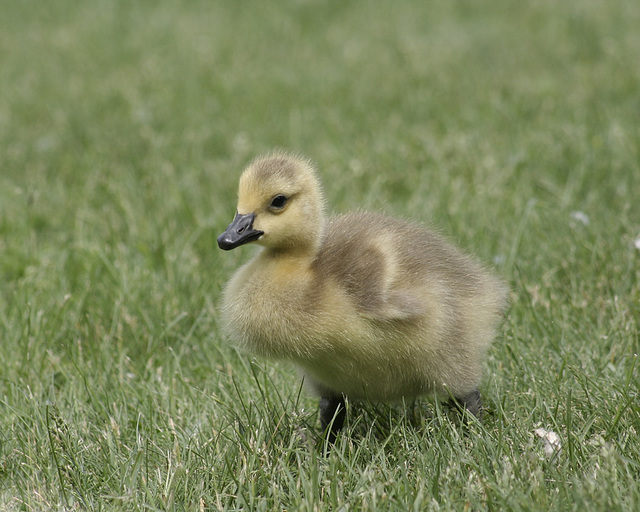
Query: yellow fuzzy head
x=284, y=195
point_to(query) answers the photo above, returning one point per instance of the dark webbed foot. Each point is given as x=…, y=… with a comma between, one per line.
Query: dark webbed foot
x=470, y=402
x=332, y=415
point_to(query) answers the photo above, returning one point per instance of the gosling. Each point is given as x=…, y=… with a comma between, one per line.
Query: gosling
x=366, y=306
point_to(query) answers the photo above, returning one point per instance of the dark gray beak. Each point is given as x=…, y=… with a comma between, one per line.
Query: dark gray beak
x=239, y=232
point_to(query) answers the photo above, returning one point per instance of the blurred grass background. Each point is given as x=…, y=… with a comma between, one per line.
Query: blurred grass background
x=512, y=127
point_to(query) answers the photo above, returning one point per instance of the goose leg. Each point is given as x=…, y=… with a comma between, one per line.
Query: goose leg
x=332, y=414
x=471, y=402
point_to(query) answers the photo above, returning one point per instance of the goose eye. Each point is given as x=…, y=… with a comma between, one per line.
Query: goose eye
x=278, y=202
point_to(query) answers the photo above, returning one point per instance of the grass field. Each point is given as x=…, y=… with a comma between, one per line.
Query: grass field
x=512, y=127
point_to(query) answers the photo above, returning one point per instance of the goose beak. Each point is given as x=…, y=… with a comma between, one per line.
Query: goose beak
x=239, y=232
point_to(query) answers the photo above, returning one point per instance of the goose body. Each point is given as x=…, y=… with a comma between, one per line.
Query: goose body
x=367, y=306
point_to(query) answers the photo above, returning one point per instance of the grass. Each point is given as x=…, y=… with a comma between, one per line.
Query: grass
x=123, y=127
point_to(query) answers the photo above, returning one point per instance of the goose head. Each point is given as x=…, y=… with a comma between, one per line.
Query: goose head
x=280, y=206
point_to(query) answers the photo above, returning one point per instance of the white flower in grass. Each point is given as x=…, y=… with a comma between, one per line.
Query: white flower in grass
x=636, y=243
x=581, y=217
x=551, y=440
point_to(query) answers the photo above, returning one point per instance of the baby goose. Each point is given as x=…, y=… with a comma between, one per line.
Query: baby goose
x=368, y=307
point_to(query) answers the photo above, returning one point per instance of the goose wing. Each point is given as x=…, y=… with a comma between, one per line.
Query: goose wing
x=363, y=253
